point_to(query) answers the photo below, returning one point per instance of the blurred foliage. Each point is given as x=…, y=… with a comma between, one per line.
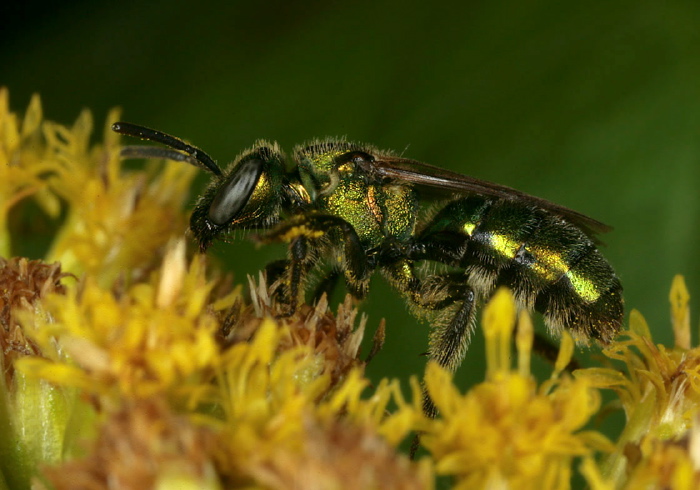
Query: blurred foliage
x=593, y=105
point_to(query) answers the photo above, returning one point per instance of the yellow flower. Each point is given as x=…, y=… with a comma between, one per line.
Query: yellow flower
x=167, y=365
x=334, y=338
x=281, y=430
x=23, y=161
x=264, y=403
x=666, y=464
x=660, y=391
x=24, y=284
x=117, y=221
x=153, y=337
x=144, y=369
x=33, y=414
x=143, y=445
x=508, y=432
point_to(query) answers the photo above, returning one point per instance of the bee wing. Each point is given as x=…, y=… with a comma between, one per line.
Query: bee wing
x=447, y=182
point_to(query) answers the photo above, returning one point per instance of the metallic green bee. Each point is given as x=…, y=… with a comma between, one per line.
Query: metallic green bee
x=357, y=209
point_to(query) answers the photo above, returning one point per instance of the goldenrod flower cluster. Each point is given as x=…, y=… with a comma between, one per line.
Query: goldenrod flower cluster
x=130, y=362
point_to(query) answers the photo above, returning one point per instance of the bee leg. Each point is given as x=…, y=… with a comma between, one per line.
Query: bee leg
x=316, y=226
x=296, y=273
x=298, y=231
x=448, y=346
x=440, y=295
x=449, y=341
x=326, y=286
x=285, y=278
x=443, y=247
x=329, y=282
x=549, y=351
x=356, y=282
x=274, y=272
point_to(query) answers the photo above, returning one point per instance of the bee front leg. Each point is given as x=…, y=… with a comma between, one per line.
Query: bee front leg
x=298, y=269
x=288, y=277
x=275, y=272
x=302, y=233
x=285, y=278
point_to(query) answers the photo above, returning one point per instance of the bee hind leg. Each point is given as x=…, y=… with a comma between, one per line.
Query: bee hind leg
x=449, y=340
x=449, y=302
x=449, y=299
x=327, y=285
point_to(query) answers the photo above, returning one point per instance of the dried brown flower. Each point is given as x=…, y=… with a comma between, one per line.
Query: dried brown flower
x=23, y=283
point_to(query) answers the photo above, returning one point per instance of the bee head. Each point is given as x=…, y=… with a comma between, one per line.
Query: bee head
x=247, y=195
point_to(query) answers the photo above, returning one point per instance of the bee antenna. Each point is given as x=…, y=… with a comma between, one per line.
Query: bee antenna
x=129, y=129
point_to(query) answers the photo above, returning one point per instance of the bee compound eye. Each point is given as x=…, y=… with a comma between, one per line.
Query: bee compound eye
x=235, y=192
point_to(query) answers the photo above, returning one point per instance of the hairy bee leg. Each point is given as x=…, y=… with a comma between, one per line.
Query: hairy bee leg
x=276, y=273
x=275, y=270
x=299, y=231
x=326, y=286
x=286, y=276
x=443, y=247
x=448, y=347
x=449, y=342
x=317, y=226
x=357, y=269
x=296, y=272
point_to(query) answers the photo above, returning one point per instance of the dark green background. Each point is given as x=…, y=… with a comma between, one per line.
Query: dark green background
x=594, y=105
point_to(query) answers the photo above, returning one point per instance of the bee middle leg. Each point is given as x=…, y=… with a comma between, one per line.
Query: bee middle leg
x=277, y=274
x=327, y=285
x=329, y=282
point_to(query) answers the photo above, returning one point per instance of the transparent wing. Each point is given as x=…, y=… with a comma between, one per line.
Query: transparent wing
x=445, y=182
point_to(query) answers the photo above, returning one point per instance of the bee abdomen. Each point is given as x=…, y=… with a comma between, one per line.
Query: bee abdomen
x=559, y=272
x=549, y=264
x=587, y=300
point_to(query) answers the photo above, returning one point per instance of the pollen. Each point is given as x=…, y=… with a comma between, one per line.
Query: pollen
x=659, y=390
x=468, y=228
x=132, y=343
x=144, y=444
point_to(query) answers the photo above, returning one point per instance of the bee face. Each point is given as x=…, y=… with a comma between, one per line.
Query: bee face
x=245, y=196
